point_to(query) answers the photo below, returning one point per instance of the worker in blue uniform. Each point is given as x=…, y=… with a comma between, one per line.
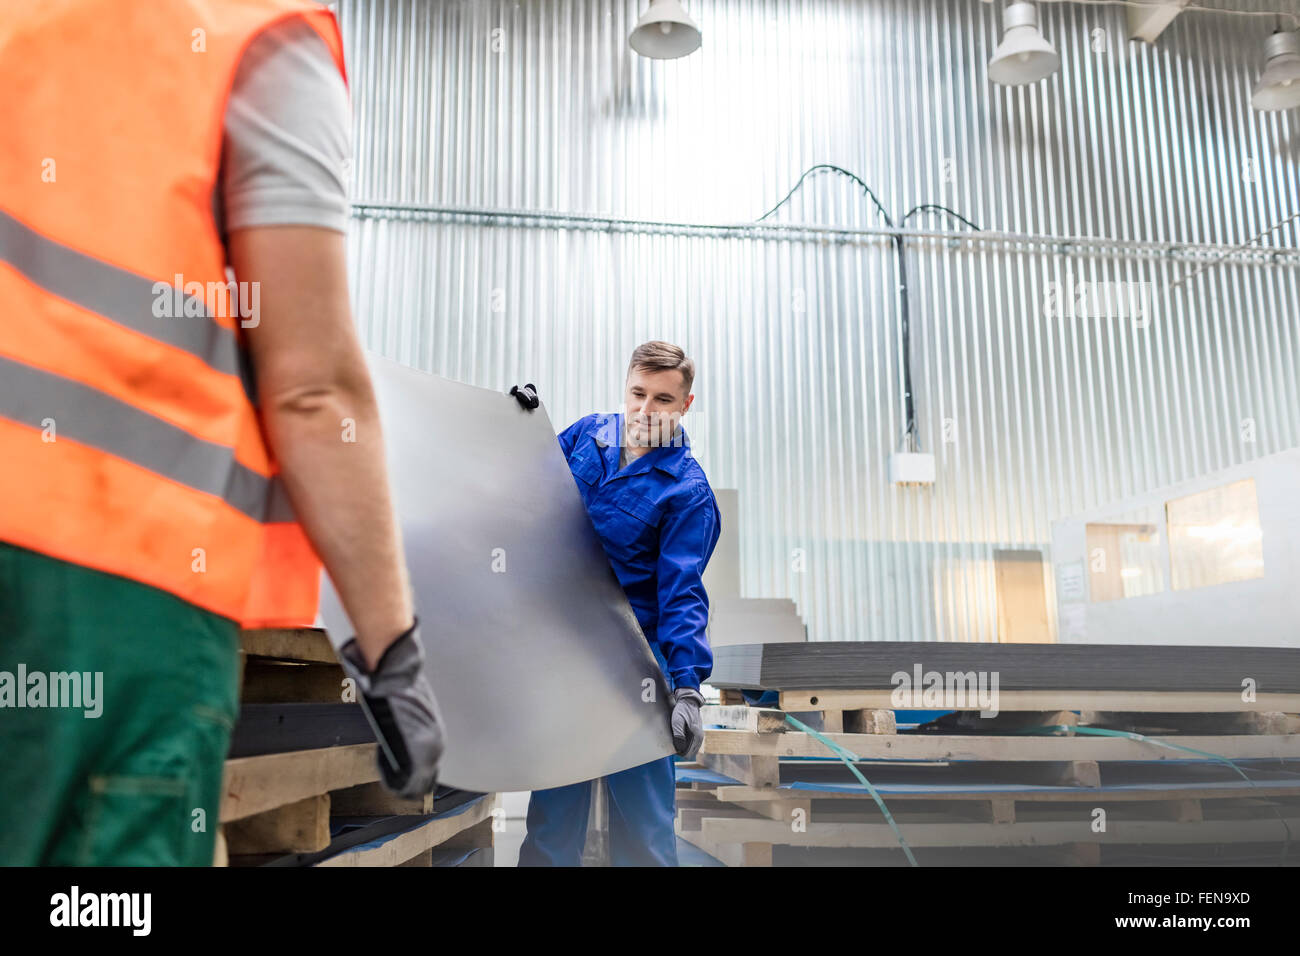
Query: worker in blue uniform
x=655, y=513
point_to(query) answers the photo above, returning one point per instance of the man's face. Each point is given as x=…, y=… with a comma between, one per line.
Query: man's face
x=656, y=402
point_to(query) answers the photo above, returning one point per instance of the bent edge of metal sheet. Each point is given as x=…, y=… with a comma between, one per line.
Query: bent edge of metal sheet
x=541, y=670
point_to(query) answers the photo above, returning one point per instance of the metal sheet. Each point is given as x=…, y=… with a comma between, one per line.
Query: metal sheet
x=872, y=665
x=536, y=657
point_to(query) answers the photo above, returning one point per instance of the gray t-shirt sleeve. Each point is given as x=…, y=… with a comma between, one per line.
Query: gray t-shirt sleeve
x=288, y=145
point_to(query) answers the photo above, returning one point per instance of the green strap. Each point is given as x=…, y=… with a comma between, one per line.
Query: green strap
x=1103, y=732
x=848, y=757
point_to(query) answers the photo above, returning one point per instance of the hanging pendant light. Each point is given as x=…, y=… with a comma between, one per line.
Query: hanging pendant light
x=665, y=32
x=1279, y=85
x=1024, y=55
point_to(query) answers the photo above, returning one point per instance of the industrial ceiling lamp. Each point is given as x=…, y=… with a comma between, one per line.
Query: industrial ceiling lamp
x=1024, y=55
x=665, y=32
x=1279, y=85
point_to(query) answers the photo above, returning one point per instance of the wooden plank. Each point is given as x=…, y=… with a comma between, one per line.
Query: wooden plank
x=1049, y=700
x=257, y=784
x=785, y=810
x=1002, y=810
x=869, y=722
x=747, y=854
x=758, y=720
x=688, y=818
x=728, y=855
x=480, y=836
x=1253, y=722
x=299, y=827
x=756, y=854
x=939, y=747
x=1081, y=854
x=376, y=800
x=721, y=830
x=954, y=813
x=273, y=681
x=292, y=644
x=756, y=771
x=698, y=798
x=742, y=795
x=1068, y=773
x=415, y=841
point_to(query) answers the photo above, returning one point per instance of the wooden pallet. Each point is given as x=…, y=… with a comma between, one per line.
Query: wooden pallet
x=943, y=748
x=470, y=829
x=837, y=713
x=740, y=822
x=279, y=804
x=745, y=832
x=716, y=834
x=255, y=785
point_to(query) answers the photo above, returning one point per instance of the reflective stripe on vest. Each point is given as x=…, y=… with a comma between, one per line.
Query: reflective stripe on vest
x=129, y=437
x=115, y=294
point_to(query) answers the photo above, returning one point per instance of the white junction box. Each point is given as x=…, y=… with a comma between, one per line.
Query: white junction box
x=911, y=468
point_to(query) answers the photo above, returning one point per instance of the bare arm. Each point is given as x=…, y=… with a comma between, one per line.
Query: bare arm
x=311, y=376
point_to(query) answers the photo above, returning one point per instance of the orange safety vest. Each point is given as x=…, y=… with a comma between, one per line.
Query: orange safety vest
x=129, y=437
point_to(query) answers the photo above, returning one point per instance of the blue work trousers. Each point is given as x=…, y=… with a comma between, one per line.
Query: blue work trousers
x=642, y=803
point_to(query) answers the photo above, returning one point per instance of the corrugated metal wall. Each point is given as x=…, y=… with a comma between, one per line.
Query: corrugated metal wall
x=541, y=105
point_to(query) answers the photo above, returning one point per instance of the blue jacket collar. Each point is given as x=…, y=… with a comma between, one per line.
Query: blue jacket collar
x=670, y=458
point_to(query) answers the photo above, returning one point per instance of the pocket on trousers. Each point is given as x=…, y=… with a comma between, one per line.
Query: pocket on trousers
x=135, y=820
x=167, y=813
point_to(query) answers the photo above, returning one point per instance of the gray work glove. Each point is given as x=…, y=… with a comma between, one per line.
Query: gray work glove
x=688, y=728
x=526, y=395
x=400, y=704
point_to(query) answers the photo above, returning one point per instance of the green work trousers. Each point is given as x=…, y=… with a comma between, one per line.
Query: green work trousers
x=139, y=784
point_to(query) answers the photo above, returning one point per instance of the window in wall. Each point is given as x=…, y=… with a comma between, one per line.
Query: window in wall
x=1124, y=557
x=1215, y=537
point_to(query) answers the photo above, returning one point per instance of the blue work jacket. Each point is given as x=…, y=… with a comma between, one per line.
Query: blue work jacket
x=659, y=522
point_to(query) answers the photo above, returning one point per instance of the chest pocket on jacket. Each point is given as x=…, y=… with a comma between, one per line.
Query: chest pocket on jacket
x=585, y=469
x=639, y=518
x=639, y=507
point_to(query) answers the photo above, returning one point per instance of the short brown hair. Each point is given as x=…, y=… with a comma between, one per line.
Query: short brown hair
x=658, y=356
